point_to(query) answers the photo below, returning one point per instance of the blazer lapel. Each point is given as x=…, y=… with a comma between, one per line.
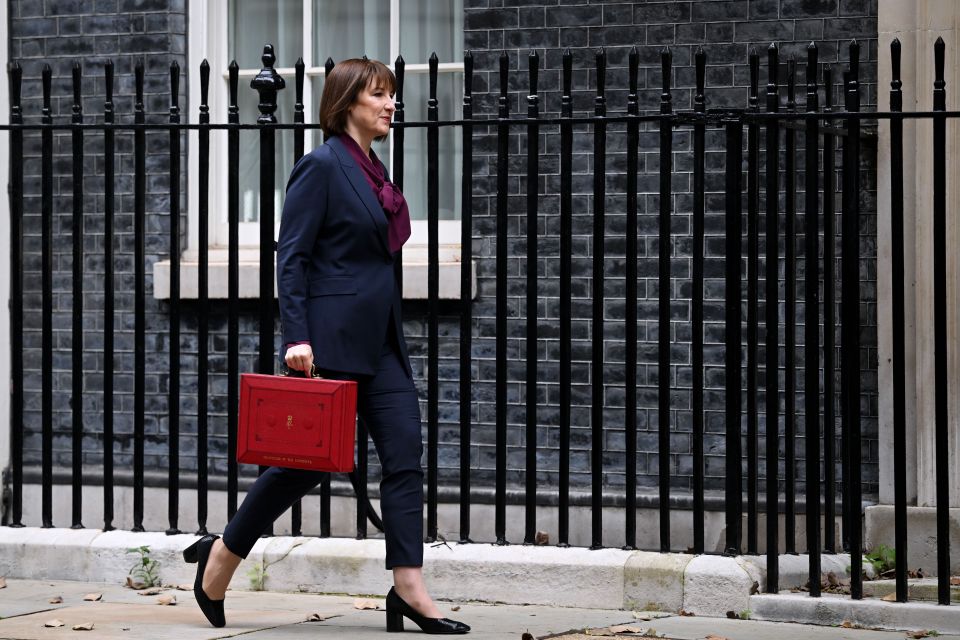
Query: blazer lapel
x=362, y=187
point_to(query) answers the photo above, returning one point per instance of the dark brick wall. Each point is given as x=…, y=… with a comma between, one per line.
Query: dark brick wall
x=91, y=30
x=59, y=33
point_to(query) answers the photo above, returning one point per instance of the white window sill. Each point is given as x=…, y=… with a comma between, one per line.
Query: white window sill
x=414, y=275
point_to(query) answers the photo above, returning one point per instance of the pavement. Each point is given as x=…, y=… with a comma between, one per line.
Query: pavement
x=116, y=611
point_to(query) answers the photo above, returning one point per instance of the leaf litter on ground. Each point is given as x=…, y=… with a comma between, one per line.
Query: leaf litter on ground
x=83, y=626
x=167, y=600
x=93, y=597
x=53, y=623
x=362, y=604
x=320, y=617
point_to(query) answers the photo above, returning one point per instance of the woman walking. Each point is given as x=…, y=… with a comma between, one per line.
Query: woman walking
x=343, y=222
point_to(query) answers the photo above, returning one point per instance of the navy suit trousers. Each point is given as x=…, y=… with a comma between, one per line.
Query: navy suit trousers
x=387, y=403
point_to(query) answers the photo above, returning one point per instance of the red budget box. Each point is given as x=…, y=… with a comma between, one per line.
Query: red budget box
x=300, y=423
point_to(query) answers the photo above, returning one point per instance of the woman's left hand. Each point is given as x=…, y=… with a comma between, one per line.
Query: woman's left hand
x=300, y=358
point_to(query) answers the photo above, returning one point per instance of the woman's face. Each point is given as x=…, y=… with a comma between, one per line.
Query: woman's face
x=372, y=111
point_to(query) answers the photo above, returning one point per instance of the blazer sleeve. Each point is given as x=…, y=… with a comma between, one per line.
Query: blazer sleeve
x=304, y=210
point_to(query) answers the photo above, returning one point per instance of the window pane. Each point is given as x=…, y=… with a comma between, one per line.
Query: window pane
x=350, y=29
x=416, y=91
x=429, y=25
x=254, y=23
x=250, y=154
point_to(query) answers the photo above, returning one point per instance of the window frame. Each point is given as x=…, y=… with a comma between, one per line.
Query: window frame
x=208, y=35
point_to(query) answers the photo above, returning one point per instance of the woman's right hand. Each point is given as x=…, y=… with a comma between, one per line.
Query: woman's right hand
x=300, y=358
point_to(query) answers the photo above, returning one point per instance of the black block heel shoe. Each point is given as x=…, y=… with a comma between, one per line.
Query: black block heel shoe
x=198, y=552
x=397, y=610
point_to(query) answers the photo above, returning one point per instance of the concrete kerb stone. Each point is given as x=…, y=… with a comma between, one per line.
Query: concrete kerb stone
x=714, y=585
x=832, y=610
x=795, y=568
x=654, y=581
x=516, y=574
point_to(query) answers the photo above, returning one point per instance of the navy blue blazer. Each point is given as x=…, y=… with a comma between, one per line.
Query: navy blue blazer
x=335, y=273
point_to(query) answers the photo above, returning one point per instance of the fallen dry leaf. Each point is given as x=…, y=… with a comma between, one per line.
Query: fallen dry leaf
x=456, y=608
x=955, y=581
x=93, y=597
x=684, y=612
x=640, y=615
x=152, y=591
x=184, y=587
x=55, y=600
x=625, y=628
x=846, y=624
x=713, y=636
x=366, y=604
x=890, y=597
x=923, y=633
x=316, y=617
x=53, y=623
x=134, y=585
x=167, y=600
x=83, y=626
x=832, y=579
x=542, y=538
x=3, y=583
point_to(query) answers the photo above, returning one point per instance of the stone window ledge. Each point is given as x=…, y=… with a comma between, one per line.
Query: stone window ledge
x=414, y=275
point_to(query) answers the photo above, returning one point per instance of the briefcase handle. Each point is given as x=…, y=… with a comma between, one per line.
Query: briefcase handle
x=296, y=373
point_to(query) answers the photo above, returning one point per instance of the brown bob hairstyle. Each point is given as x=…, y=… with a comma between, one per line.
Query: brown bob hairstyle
x=343, y=85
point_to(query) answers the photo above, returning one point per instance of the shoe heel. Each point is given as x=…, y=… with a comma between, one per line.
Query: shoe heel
x=190, y=553
x=394, y=620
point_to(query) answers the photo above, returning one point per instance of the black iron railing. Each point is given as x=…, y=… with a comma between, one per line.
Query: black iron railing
x=820, y=128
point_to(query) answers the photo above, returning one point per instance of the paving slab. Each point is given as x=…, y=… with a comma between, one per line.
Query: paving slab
x=122, y=613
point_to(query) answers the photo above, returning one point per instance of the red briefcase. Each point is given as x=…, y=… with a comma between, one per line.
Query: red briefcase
x=302, y=423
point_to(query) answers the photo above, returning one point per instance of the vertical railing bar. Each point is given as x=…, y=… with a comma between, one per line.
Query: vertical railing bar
x=811, y=326
x=596, y=325
x=466, y=298
x=699, y=133
x=733, y=497
x=503, y=139
x=233, y=287
x=173, y=404
x=296, y=510
x=139, y=266
x=663, y=350
x=15, y=76
x=790, y=320
x=267, y=83
x=76, y=375
x=630, y=312
x=203, y=302
x=753, y=268
x=433, y=291
x=829, y=324
x=46, y=358
x=771, y=370
x=850, y=327
x=897, y=311
x=109, y=297
x=845, y=419
x=941, y=375
x=398, y=180
x=533, y=179
x=566, y=251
